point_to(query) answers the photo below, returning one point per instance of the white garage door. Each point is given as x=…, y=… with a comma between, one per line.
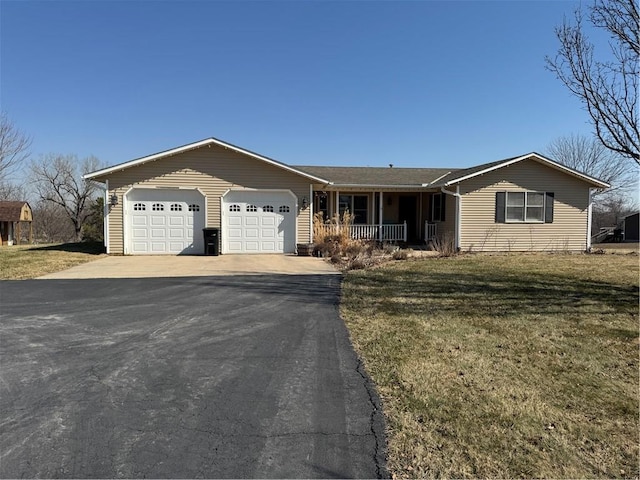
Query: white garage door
x=163, y=221
x=259, y=221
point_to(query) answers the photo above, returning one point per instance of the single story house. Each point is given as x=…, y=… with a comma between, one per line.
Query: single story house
x=160, y=203
x=12, y=217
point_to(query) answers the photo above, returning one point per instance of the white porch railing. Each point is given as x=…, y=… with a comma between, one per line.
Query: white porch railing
x=390, y=232
x=430, y=231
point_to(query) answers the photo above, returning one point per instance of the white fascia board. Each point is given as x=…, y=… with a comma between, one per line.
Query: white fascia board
x=192, y=146
x=538, y=158
x=364, y=185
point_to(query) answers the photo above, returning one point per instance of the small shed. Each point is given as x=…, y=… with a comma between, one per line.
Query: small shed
x=13, y=216
x=631, y=230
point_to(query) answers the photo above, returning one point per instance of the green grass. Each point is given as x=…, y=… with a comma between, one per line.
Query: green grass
x=30, y=261
x=503, y=366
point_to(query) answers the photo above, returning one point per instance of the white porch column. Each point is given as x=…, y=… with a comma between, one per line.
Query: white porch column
x=380, y=211
x=336, y=208
x=311, y=207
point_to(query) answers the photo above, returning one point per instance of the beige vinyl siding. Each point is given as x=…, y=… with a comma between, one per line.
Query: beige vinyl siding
x=568, y=231
x=213, y=170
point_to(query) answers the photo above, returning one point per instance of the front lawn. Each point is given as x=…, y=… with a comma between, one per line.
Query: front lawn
x=30, y=261
x=503, y=366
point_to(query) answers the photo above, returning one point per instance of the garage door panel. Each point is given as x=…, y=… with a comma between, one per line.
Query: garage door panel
x=158, y=247
x=139, y=221
x=251, y=233
x=177, y=221
x=251, y=246
x=258, y=221
x=234, y=233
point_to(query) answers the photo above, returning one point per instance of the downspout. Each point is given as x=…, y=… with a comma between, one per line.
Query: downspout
x=589, y=220
x=105, y=221
x=458, y=216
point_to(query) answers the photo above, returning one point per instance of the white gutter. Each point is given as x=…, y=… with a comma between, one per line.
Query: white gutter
x=458, y=216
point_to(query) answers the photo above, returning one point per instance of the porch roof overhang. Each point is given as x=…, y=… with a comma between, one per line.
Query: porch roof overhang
x=332, y=187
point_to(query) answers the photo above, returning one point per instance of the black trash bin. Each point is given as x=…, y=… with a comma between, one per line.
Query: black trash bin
x=211, y=241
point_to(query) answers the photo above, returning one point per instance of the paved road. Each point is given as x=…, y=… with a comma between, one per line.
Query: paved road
x=246, y=376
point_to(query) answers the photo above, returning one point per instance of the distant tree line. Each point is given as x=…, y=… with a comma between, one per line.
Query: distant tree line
x=65, y=207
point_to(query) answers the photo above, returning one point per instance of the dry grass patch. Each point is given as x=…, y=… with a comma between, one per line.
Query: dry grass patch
x=20, y=262
x=503, y=366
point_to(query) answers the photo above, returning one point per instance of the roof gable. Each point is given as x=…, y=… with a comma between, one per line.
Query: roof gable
x=465, y=174
x=192, y=146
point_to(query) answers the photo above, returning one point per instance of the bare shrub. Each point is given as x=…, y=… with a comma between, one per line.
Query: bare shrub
x=445, y=245
x=400, y=254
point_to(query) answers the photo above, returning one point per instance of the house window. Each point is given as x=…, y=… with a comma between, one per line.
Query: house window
x=321, y=204
x=437, y=207
x=357, y=205
x=524, y=207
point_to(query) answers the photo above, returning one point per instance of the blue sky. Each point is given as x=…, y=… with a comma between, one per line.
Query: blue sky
x=416, y=83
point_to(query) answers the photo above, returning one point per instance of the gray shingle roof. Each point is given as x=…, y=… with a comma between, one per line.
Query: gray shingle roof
x=464, y=172
x=376, y=175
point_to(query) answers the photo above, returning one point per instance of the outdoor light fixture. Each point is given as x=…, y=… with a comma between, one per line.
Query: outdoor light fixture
x=113, y=200
x=305, y=203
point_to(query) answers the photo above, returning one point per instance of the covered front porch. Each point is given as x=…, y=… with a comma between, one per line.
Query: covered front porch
x=413, y=217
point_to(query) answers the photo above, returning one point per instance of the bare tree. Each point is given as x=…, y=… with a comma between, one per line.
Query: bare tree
x=14, y=147
x=58, y=180
x=51, y=224
x=12, y=191
x=588, y=155
x=608, y=88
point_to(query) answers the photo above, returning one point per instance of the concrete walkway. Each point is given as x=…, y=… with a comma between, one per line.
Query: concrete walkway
x=162, y=266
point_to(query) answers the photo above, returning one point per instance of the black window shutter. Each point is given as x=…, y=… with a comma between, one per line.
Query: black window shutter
x=500, y=204
x=548, y=207
x=443, y=203
x=430, y=209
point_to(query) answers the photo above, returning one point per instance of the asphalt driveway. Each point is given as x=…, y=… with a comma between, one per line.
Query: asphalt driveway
x=202, y=377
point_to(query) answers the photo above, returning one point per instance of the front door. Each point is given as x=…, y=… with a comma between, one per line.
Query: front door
x=407, y=205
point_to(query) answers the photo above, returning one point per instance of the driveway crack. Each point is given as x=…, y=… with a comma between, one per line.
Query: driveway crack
x=376, y=422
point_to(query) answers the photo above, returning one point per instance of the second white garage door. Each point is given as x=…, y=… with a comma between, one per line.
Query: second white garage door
x=258, y=221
